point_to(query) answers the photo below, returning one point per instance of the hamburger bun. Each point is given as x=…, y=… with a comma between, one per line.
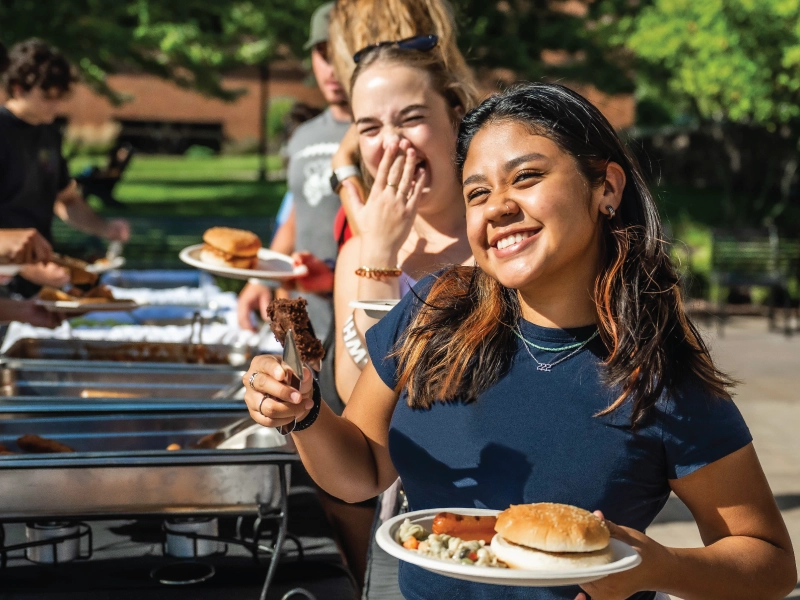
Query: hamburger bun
x=553, y=527
x=214, y=257
x=235, y=242
x=551, y=536
x=520, y=557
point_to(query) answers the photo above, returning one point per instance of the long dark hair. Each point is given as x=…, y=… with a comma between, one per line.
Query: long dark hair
x=460, y=342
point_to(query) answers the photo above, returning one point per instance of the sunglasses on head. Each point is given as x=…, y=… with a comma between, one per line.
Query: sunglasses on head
x=423, y=43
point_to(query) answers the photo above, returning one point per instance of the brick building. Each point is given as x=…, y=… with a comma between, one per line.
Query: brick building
x=161, y=116
x=172, y=117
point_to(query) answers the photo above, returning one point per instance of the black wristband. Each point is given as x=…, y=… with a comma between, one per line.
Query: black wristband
x=314, y=413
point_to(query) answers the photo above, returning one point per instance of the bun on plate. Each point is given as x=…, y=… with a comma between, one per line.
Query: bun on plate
x=547, y=536
x=228, y=247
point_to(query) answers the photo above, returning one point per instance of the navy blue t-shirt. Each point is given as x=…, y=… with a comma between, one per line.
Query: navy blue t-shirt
x=533, y=437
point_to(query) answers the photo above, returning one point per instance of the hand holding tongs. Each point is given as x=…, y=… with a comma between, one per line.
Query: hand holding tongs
x=235, y=434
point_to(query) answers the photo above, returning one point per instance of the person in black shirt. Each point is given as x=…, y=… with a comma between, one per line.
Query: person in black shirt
x=34, y=179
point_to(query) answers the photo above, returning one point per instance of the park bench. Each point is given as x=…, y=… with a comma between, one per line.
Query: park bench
x=747, y=258
x=100, y=182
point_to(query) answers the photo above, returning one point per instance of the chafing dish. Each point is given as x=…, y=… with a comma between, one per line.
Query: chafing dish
x=121, y=467
x=67, y=379
x=130, y=352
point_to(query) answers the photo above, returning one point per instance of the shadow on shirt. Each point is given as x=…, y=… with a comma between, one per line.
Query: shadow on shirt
x=497, y=481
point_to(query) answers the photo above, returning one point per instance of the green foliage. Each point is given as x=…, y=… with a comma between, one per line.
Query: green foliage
x=718, y=59
x=188, y=41
x=276, y=117
x=194, y=186
x=198, y=151
x=512, y=34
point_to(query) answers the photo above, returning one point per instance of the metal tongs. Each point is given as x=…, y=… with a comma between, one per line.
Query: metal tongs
x=79, y=273
x=238, y=434
x=291, y=356
x=114, y=251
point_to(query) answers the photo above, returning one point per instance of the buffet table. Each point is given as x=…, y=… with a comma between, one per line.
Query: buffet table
x=134, y=398
x=167, y=315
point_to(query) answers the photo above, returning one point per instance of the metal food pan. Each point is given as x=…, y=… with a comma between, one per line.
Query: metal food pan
x=77, y=379
x=129, y=352
x=121, y=467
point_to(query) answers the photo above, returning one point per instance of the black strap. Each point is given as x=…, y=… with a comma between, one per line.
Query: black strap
x=311, y=416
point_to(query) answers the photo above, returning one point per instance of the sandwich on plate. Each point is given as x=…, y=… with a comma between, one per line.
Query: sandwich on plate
x=553, y=537
x=228, y=247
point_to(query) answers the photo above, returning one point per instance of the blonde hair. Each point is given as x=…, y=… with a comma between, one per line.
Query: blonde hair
x=355, y=24
x=456, y=92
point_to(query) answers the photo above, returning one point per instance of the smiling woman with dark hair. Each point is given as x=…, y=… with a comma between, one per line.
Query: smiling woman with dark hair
x=560, y=368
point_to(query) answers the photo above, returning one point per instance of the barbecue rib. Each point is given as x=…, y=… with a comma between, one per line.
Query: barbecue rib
x=291, y=314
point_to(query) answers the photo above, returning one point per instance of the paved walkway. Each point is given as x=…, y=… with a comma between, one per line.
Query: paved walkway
x=768, y=365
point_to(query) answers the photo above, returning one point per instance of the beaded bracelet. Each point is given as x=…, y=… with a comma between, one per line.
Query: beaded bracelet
x=378, y=273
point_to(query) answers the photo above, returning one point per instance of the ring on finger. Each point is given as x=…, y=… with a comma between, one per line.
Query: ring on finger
x=394, y=185
x=252, y=378
x=260, y=404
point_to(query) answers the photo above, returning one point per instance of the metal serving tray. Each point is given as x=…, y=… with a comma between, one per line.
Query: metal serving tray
x=121, y=467
x=70, y=379
x=130, y=352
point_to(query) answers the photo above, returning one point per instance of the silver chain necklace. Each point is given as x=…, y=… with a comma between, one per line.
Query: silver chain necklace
x=547, y=367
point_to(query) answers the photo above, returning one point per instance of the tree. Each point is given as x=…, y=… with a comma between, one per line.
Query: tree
x=192, y=41
x=188, y=41
x=733, y=68
x=737, y=60
x=539, y=39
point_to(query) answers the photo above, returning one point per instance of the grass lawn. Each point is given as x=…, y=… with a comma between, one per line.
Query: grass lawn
x=170, y=201
x=198, y=186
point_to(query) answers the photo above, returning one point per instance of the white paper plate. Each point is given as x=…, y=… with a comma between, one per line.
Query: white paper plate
x=71, y=307
x=101, y=266
x=376, y=309
x=625, y=557
x=9, y=270
x=271, y=265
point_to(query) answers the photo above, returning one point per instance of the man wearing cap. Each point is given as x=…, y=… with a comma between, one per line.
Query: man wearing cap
x=310, y=150
x=308, y=228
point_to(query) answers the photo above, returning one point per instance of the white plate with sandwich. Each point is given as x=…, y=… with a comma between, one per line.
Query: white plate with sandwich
x=527, y=566
x=376, y=309
x=238, y=254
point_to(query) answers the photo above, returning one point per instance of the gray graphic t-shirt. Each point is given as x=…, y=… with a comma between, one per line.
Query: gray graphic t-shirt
x=310, y=151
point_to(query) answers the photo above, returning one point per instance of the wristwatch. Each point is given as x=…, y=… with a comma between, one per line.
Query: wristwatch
x=342, y=173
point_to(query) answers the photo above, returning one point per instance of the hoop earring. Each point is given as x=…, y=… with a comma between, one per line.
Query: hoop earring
x=611, y=212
